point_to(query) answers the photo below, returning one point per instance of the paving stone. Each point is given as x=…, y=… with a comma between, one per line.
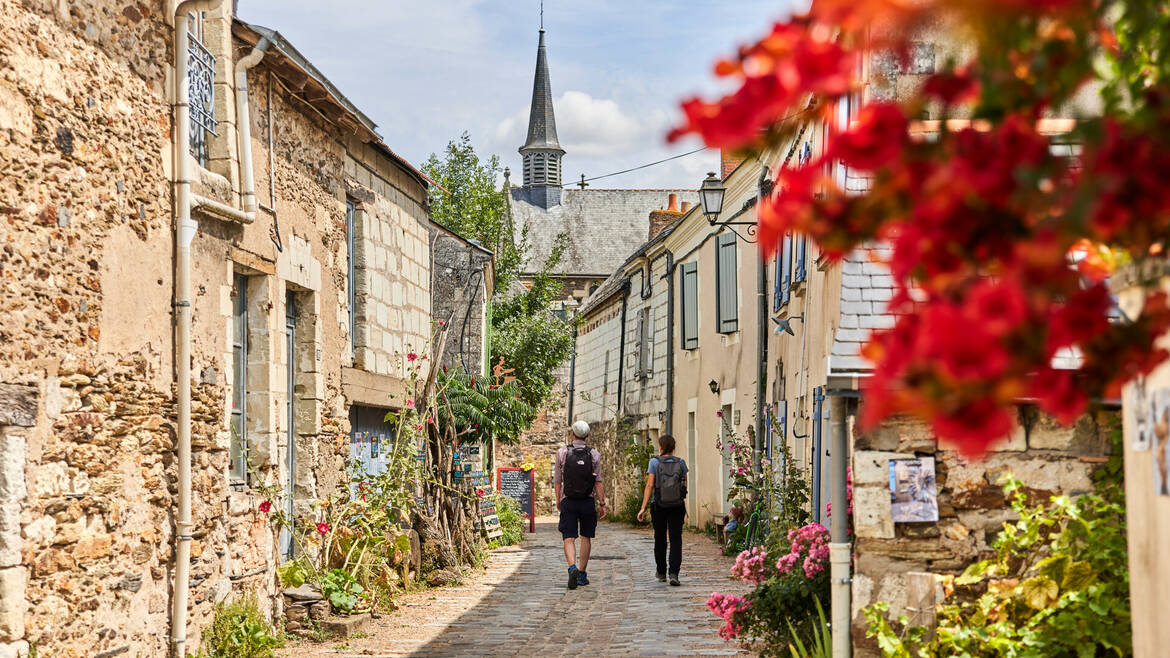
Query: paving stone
x=520, y=606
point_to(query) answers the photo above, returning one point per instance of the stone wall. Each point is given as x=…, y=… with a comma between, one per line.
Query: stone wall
x=539, y=444
x=1046, y=457
x=87, y=429
x=461, y=285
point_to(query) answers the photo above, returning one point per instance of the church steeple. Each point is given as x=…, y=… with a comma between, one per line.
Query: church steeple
x=541, y=151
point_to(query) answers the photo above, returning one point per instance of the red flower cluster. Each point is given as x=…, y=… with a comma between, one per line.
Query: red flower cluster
x=995, y=235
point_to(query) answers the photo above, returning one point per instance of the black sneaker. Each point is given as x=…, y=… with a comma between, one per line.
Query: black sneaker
x=574, y=573
x=582, y=579
x=661, y=577
x=674, y=580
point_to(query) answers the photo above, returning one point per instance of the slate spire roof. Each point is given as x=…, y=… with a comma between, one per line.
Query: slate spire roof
x=542, y=125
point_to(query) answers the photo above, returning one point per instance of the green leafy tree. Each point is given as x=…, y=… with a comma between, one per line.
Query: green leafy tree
x=530, y=337
x=533, y=340
x=482, y=410
x=472, y=204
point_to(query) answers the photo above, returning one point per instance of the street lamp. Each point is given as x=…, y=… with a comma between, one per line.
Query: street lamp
x=711, y=194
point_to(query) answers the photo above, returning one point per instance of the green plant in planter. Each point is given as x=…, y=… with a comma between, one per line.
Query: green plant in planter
x=1058, y=585
x=342, y=591
x=239, y=630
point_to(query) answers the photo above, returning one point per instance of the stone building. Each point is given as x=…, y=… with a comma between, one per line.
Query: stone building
x=462, y=284
x=309, y=277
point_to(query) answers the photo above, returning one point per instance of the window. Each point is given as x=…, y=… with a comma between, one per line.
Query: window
x=689, y=320
x=605, y=374
x=239, y=444
x=799, y=250
x=726, y=286
x=200, y=87
x=784, y=276
x=646, y=290
x=351, y=274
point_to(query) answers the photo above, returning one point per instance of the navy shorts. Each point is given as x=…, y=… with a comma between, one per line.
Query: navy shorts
x=578, y=512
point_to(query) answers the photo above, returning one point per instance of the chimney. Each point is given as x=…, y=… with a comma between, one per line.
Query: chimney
x=728, y=161
x=686, y=205
x=660, y=219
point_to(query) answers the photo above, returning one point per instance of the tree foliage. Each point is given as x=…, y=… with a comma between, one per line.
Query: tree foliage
x=533, y=341
x=482, y=410
x=472, y=204
x=985, y=219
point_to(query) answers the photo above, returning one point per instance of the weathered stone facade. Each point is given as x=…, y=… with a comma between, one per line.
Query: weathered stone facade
x=462, y=282
x=896, y=563
x=87, y=402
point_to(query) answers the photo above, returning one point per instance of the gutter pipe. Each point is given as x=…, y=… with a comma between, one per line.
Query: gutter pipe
x=839, y=547
x=573, y=375
x=761, y=349
x=622, y=347
x=185, y=229
x=669, y=428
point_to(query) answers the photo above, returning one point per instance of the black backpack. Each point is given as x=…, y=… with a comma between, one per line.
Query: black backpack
x=670, y=487
x=577, y=475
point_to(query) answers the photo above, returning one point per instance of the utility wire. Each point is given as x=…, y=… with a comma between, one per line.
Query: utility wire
x=649, y=164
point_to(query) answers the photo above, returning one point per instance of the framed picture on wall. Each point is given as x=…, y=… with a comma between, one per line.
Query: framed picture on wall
x=913, y=490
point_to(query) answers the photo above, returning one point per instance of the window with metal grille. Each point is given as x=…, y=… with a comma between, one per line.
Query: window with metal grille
x=200, y=87
x=351, y=274
x=689, y=311
x=239, y=443
x=726, y=285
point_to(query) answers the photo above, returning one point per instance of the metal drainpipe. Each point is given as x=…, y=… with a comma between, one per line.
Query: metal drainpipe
x=572, y=374
x=762, y=354
x=185, y=229
x=839, y=547
x=670, y=342
x=622, y=347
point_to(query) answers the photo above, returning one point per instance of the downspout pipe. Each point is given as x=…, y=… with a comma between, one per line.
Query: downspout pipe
x=761, y=353
x=244, y=128
x=622, y=347
x=185, y=229
x=669, y=429
x=839, y=547
x=573, y=375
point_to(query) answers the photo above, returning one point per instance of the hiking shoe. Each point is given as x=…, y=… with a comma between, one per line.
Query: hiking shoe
x=574, y=574
x=582, y=579
x=674, y=579
x=661, y=577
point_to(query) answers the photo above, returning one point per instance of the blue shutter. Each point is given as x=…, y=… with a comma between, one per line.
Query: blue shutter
x=777, y=286
x=798, y=271
x=818, y=405
x=786, y=269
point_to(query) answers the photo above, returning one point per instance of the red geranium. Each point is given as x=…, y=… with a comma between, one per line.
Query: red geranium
x=323, y=528
x=266, y=506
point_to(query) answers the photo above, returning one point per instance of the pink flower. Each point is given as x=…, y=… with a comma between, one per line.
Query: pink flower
x=410, y=403
x=418, y=427
x=323, y=527
x=411, y=356
x=266, y=506
x=442, y=323
x=719, y=414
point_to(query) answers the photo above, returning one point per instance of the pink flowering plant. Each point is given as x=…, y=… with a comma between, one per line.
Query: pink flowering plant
x=789, y=570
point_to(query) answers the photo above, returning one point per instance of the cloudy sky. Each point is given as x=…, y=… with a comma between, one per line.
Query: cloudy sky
x=426, y=71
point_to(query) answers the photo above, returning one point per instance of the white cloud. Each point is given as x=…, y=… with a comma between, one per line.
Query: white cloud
x=590, y=127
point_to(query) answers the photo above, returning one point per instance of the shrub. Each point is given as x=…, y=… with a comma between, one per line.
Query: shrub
x=1057, y=586
x=511, y=521
x=239, y=630
x=627, y=511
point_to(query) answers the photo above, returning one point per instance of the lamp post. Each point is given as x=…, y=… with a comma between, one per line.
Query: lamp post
x=711, y=194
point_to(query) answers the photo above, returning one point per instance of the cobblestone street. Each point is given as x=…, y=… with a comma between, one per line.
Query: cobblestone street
x=521, y=607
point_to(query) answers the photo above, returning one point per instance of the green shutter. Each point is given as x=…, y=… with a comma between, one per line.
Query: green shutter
x=726, y=285
x=689, y=324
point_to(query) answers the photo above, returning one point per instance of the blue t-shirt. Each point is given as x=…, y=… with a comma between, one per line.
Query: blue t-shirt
x=653, y=468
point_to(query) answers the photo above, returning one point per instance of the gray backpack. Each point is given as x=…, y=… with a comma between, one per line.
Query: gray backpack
x=670, y=488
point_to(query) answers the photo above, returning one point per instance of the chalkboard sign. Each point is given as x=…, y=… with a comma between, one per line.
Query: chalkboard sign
x=520, y=485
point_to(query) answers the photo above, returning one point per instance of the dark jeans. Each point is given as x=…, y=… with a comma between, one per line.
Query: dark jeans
x=668, y=519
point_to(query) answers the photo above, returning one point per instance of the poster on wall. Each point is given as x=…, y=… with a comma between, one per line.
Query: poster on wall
x=913, y=490
x=1142, y=411
x=1159, y=406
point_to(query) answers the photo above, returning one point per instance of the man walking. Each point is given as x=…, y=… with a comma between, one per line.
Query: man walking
x=577, y=478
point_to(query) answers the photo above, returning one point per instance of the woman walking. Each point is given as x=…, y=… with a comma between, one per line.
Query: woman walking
x=666, y=481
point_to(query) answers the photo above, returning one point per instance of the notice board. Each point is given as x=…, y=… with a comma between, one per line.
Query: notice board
x=519, y=485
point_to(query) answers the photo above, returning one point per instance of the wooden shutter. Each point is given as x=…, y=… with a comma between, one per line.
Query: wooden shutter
x=786, y=269
x=726, y=285
x=798, y=257
x=641, y=343
x=689, y=318
x=650, y=342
